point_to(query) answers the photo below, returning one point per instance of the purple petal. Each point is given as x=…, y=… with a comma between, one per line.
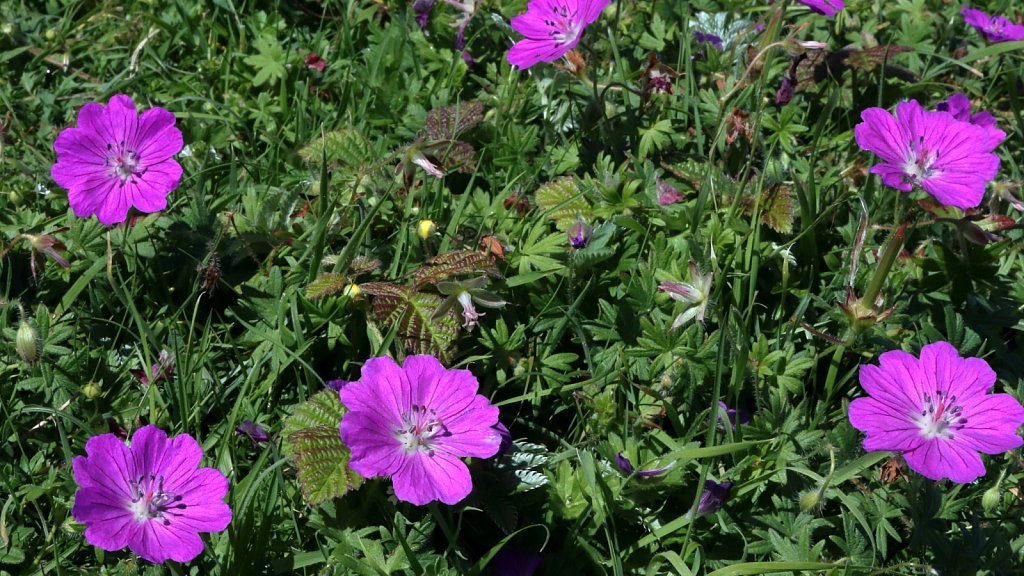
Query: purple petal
x=938, y=459
x=880, y=133
x=426, y=477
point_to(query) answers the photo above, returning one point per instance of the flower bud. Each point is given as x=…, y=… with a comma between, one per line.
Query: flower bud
x=426, y=229
x=25, y=342
x=352, y=291
x=92, y=390
x=991, y=499
x=579, y=234
x=810, y=501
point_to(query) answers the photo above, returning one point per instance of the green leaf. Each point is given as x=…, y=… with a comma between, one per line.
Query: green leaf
x=412, y=315
x=448, y=122
x=313, y=443
x=455, y=263
x=346, y=147
x=269, y=63
x=655, y=138
x=563, y=202
x=326, y=285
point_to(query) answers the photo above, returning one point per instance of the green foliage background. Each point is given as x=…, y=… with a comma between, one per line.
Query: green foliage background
x=300, y=184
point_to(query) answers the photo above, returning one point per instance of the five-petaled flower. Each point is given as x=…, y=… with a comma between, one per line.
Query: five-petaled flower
x=414, y=422
x=936, y=410
x=150, y=497
x=824, y=7
x=993, y=28
x=552, y=28
x=950, y=159
x=116, y=159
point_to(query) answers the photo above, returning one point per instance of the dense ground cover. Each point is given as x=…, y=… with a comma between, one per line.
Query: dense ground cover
x=663, y=256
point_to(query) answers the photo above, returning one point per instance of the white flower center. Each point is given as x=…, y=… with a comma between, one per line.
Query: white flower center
x=150, y=500
x=123, y=163
x=566, y=28
x=941, y=417
x=920, y=162
x=420, y=428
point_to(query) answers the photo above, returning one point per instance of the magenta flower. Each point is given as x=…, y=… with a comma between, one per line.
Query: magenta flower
x=116, y=159
x=552, y=28
x=824, y=7
x=949, y=159
x=150, y=496
x=936, y=411
x=414, y=423
x=960, y=107
x=993, y=28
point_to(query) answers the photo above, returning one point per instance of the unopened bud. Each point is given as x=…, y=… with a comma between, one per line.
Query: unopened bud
x=92, y=390
x=991, y=499
x=810, y=501
x=25, y=342
x=352, y=291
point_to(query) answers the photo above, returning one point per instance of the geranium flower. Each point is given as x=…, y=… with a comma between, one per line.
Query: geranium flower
x=936, y=411
x=824, y=7
x=414, y=423
x=150, y=496
x=116, y=159
x=949, y=159
x=993, y=28
x=959, y=106
x=697, y=295
x=552, y=28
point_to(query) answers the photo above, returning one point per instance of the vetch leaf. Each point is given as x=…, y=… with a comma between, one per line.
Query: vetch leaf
x=313, y=444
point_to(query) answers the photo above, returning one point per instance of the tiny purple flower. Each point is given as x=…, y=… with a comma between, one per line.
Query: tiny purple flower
x=949, y=159
x=336, y=384
x=552, y=28
x=712, y=39
x=622, y=461
x=733, y=417
x=936, y=411
x=579, y=234
x=414, y=422
x=993, y=28
x=713, y=497
x=423, y=8
x=824, y=7
x=254, y=431
x=116, y=159
x=960, y=107
x=150, y=497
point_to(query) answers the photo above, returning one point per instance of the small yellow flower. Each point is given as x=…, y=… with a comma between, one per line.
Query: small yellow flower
x=426, y=229
x=352, y=291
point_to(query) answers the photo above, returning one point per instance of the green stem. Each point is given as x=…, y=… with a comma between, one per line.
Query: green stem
x=892, y=249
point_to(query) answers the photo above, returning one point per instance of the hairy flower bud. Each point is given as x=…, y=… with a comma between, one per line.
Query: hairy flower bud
x=25, y=342
x=991, y=499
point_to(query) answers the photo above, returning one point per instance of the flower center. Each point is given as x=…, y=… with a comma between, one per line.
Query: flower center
x=564, y=23
x=920, y=163
x=123, y=163
x=941, y=417
x=420, y=428
x=151, y=501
